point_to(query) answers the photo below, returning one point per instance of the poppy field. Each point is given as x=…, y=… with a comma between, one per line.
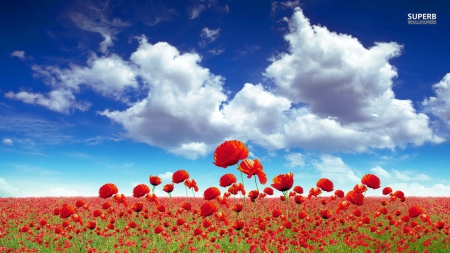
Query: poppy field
x=229, y=217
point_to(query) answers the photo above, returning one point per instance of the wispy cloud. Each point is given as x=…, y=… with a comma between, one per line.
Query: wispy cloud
x=20, y=54
x=7, y=141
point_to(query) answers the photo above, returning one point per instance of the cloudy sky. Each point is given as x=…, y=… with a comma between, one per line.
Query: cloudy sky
x=93, y=92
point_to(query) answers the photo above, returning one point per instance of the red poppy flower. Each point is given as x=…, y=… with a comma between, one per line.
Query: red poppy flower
x=339, y=193
x=283, y=182
x=91, y=225
x=325, y=213
x=276, y=213
x=107, y=190
x=301, y=215
x=97, y=213
x=415, y=211
x=439, y=224
x=79, y=203
x=314, y=192
x=238, y=225
x=387, y=190
x=159, y=229
x=253, y=194
x=168, y=188
x=343, y=205
x=137, y=206
x=357, y=212
x=227, y=180
x=235, y=188
x=238, y=207
x=268, y=191
x=155, y=181
x=229, y=153
x=179, y=176
x=371, y=181
x=211, y=193
x=140, y=190
x=298, y=189
x=355, y=197
x=161, y=208
x=186, y=206
x=399, y=194
x=152, y=198
x=66, y=211
x=325, y=184
x=299, y=199
x=191, y=183
x=361, y=188
x=253, y=167
x=120, y=198
x=207, y=209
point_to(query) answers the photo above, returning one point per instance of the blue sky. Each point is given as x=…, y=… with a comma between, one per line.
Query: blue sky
x=93, y=92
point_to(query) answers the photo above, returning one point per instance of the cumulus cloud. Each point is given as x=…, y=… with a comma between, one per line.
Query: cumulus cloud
x=332, y=167
x=181, y=112
x=166, y=176
x=439, y=104
x=62, y=192
x=7, y=141
x=380, y=172
x=348, y=92
x=295, y=160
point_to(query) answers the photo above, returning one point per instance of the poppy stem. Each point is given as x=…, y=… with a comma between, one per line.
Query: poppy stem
x=193, y=192
x=170, y=203
x=242, y=179
x=287, y=204
x=186, y=192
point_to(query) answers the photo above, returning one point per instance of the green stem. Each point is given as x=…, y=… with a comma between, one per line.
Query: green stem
x=287, y=204
x=193, y=192
x=170, y=204
x=186, y=192
x=242, y=179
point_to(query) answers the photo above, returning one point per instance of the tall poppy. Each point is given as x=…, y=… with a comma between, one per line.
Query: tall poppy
x=325, y=184
x=235, y=188
x=298, y=189
x=155, y=180
x=253, y=194
x=211, y=193
x=168, y=188
x=107, y=190
x=371, y=181
x=229, y=153
x=253, y=167
x=179, y=176
x=314, y=192
x=238, y=207
x=268, y=191
x=191, y=183
x=120, y=198
x=283, y=182
x=339, y=193
x=140, y=190
x=207, y=209
x=387, y=190
x=227, y=180
x=355, y=197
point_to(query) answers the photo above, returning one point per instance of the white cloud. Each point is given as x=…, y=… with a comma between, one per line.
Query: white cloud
x=209, y=35
x=410, y=176
x=58, y=100
x=216, y=51
x=166, y=176
x=7, y=141
x=295, y=160
x=348, y=92
x=417, y=190
x=20, y=54
x=99, y=25
x=439, y=105
x=336, y=170
x=380, y=172
x=61, y=192
x=181, y=112
x=7, y=190
x=195, y=12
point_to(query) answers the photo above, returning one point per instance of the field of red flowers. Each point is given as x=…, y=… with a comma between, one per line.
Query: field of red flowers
x=232, y=218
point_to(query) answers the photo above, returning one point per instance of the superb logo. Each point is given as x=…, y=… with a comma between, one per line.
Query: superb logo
x=422, y=18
